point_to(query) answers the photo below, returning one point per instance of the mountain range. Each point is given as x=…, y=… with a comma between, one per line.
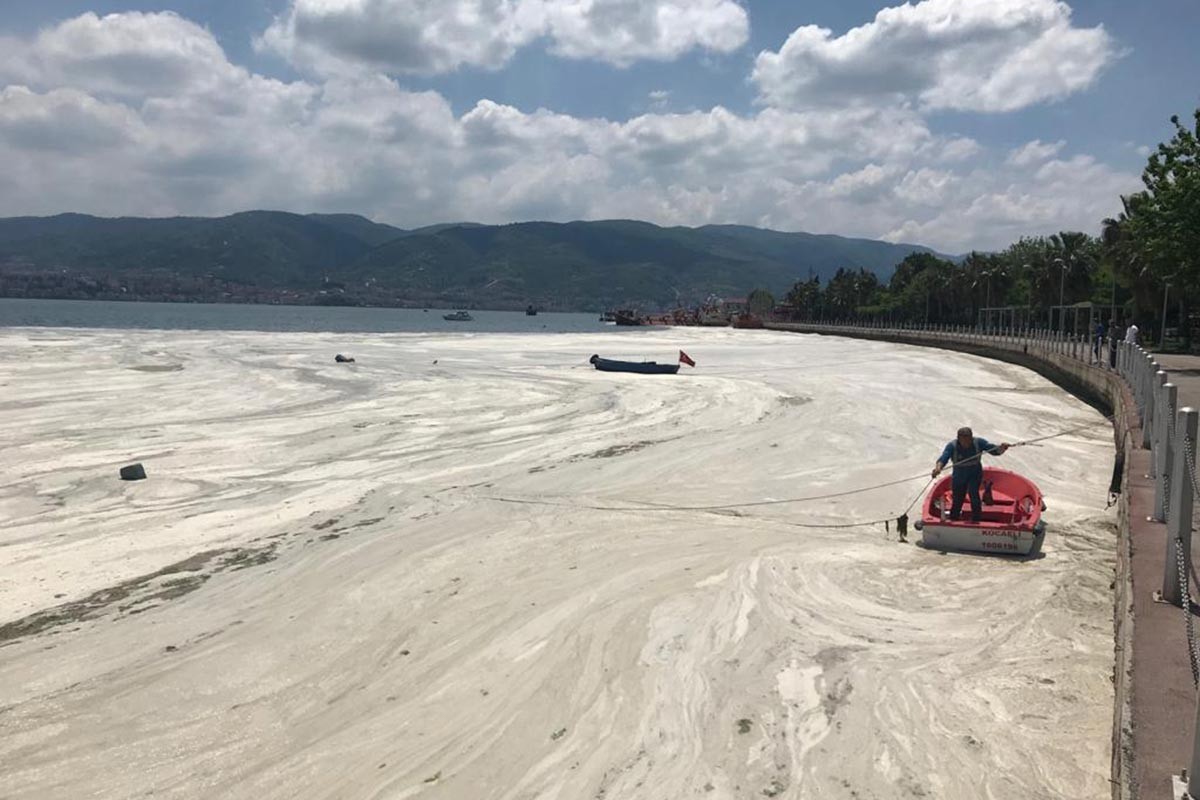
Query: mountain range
x=273, y=256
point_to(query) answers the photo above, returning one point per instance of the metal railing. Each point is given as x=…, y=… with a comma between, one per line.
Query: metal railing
x=1169, y=432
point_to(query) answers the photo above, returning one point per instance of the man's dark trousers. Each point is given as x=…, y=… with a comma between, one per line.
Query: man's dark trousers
x=966, y=486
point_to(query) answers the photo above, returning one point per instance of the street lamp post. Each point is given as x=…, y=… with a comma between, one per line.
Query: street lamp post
x=988, y=303
x=1062, y=287
x=1162, y=336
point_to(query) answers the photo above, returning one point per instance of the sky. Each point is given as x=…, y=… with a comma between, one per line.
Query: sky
x=957, y=124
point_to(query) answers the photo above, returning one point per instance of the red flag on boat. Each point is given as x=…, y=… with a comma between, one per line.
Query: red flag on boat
x=684, y=358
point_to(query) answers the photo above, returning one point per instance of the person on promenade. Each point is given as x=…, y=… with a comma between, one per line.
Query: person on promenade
x=1098, y=340
x=966, y=453
x=1131, y=333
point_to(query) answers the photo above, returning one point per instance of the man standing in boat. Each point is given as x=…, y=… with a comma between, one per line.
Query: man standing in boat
x=966, y=453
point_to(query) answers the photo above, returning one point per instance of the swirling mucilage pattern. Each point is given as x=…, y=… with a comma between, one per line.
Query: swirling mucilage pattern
x=317, y=594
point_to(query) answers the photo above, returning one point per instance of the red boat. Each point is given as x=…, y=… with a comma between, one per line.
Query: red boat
x=1010, y=522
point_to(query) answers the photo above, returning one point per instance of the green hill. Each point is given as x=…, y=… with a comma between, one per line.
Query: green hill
x=574, y=265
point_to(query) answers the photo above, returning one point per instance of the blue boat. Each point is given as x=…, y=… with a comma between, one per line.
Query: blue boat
x=641, y=367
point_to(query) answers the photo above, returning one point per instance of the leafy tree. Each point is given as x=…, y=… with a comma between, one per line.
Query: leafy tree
x=1167, y=220
x=760, y=302
x=805, y=297
x=850, y=290
x=1162, y=224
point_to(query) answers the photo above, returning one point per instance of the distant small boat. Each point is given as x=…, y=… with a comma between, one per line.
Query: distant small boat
x=530, y=311
x=641, y=367
x=608, y=316
x=1010, y=522
x=458, y=316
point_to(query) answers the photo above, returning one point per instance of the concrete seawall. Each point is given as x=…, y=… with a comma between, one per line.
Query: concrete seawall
x=1154, y=700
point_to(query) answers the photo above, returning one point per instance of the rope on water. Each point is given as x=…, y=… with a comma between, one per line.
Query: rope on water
x=647, y=507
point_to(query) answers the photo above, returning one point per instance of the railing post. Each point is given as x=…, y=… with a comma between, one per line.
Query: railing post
x=1164, y=453
x=1148, y=411
x=1139, y=381
x=1179, y=514
x=1157, y=422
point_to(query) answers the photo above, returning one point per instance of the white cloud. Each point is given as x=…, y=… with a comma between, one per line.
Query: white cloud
x=1035, y=152
x=66, y=122
x=131, y=54
x=659, y=99
x=991, y=208
x=958, y=149
x=967, y=55
x=623, y=31
x=222, y=139
x=431, y=36
x=861, y=184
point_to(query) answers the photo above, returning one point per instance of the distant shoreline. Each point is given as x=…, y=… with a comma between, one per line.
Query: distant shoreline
x=281, y=318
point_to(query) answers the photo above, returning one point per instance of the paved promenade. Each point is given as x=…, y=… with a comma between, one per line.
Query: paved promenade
x=1163, y=699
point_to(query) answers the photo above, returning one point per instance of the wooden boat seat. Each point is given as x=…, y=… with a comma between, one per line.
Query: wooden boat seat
x=1003, y=509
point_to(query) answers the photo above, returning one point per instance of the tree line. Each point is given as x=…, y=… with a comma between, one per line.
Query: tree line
x=1145, y=259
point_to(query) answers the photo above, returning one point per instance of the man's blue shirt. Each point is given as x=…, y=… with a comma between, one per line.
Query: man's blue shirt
x=975, y=466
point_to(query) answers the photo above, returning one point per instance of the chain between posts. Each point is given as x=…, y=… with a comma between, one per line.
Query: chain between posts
x=1181, y=564
x=1190, y=460
x=1193, y=654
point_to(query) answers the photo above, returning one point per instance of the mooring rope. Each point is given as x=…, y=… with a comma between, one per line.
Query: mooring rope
x=648, y=507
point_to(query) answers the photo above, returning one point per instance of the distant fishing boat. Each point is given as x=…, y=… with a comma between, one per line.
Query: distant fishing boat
x=608, y=317
x=746, y=320
x=530, y=311
x=1010, y=522
x=640, y=367
x=458, y=316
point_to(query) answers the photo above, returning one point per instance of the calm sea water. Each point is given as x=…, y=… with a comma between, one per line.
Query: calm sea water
x=207, y=316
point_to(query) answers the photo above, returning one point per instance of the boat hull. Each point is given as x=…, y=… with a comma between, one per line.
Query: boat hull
x=1010, y=521
x=1002, y=541
x=637, y=367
